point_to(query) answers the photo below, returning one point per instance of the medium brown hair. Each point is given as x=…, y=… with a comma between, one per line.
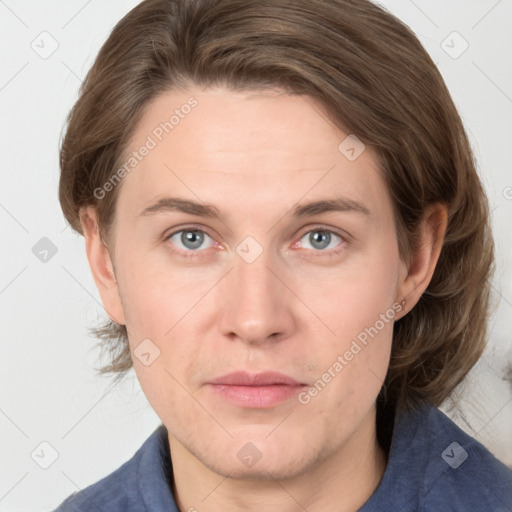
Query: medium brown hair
x=373, y=77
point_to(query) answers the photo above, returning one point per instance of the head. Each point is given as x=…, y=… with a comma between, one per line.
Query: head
x=281, y=186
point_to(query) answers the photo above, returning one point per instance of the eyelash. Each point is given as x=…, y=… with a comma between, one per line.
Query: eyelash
x=197, y=254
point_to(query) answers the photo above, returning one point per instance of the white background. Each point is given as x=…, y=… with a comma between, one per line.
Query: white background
x=49, y=390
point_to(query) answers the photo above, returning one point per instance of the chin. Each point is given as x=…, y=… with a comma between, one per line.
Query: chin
x=262, y=458
x=282, y=469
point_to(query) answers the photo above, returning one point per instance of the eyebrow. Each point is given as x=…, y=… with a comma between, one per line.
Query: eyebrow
x=175, y=204
x=340, y=204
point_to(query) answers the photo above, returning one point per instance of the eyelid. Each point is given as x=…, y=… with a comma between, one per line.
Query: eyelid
x=187, y=227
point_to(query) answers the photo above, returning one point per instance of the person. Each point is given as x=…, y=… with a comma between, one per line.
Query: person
x=285, y=224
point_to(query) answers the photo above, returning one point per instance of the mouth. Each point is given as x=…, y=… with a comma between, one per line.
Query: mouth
x=256, y=391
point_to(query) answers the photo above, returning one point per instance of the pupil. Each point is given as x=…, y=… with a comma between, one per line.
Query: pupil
x=192, y=239
x=320, y=239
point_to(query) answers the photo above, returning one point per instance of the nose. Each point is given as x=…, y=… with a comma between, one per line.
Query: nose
x=256, y=307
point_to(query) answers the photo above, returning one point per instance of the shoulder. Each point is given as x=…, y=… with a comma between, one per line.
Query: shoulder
x=461, y=473
x=126, y=488
x=434, y=465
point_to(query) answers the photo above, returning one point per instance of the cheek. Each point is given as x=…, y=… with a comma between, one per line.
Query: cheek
x=156, y=297
x=163, y=310
x=353, y=298
x=357, y=305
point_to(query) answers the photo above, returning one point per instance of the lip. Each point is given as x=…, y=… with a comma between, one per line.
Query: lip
x=257, y=391
x=242, y=378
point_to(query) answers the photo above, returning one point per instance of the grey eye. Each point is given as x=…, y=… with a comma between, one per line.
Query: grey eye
x=191, y=239
x=319, y=239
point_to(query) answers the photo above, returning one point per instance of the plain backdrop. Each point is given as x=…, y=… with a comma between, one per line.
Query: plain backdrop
x=54, y=410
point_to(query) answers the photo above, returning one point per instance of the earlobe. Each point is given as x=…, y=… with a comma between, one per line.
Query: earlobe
x=416, y=276
x=101, y=265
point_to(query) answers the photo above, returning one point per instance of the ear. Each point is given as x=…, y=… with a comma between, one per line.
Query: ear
x=416, y=275
x=101, y=265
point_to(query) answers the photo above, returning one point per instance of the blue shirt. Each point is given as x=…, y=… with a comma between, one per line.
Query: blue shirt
x=433, y=466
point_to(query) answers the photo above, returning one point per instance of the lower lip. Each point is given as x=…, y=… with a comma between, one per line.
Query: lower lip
x=256, y=397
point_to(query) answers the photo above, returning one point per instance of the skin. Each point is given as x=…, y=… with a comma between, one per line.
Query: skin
x=294, y=309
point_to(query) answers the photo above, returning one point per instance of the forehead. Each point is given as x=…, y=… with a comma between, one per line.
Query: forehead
x=262, y=147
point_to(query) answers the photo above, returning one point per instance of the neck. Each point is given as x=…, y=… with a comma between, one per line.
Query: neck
x=342, y=482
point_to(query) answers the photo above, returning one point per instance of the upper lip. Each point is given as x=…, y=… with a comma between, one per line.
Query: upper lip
x=242, y=378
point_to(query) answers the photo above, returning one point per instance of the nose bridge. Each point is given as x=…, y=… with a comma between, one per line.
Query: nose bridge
x=256, y=305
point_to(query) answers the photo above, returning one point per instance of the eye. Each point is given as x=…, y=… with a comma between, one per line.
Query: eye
x=320, y=239
x=191, y=240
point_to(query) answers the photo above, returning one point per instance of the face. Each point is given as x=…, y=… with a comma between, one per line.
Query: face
x=258, y=271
